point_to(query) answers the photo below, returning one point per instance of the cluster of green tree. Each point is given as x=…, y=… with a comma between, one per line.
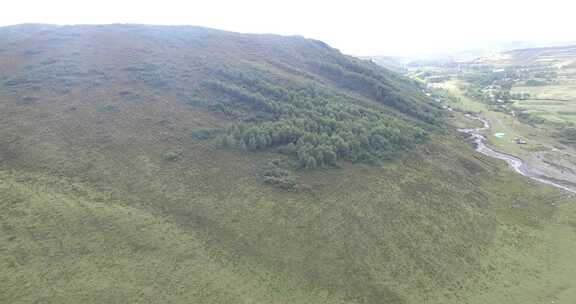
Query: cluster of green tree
x=206, y=133
x=520, y=96
x=315, y=125
x=500, y=95
x=504, y=79
x=378, y=85
x=443, y=94
x=494, y=95
x=489, y=86
x=528, y=118
x=546, y=74
x=483, y=78
x=321, y=141
x=275, y=173
x=474, y=92
x=539, y=72
x=535, y=82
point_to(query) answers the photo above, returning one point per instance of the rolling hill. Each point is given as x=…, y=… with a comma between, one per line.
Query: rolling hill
x=160, y=164
x=557, y=56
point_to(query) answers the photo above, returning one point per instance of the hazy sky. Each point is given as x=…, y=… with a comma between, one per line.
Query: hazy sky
x=356, y=27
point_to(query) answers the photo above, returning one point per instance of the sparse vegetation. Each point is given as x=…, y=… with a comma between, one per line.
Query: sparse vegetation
x=170, y=156
x=203, y=134
x=276, y=173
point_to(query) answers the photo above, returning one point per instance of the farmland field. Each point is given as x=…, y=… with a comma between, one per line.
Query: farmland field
x=563, y=92
x=555, y=103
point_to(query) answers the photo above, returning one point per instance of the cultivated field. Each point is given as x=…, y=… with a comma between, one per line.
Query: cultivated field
x=555, y=103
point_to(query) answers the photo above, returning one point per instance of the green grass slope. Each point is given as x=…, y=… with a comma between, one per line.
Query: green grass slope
x=107, y=198
x=289, y=93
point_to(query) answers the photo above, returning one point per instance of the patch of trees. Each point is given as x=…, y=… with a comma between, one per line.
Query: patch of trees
x=385, y=87
x=520, y=96
x=319, y=141
x=275, y=173
x=528, y=118
x=314, y=125
x=485, y=78
x=491, y=85
x=205, y=133
x=535, y=82
x=443, y=94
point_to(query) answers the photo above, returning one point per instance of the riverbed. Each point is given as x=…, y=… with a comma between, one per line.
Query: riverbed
x=514, y=162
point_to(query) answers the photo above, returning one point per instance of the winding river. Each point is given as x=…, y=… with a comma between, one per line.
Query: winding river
x=515, y=163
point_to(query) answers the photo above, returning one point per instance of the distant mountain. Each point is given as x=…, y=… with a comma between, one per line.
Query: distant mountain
x=560, y=56
x=463, y=55
x=563, y=55
x=397, y=64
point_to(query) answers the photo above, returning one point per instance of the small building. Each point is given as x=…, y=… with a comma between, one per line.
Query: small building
x=520, y=141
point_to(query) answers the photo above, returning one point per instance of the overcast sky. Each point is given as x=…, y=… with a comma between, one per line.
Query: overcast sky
x=358, y=27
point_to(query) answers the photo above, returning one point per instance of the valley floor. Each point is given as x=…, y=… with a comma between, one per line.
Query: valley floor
x=544, y=155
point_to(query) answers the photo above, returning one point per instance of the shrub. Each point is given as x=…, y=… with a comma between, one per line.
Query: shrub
x=108, y=109
x=284, y=182
x=274, y=174
x=203, y=134
x=170, y=156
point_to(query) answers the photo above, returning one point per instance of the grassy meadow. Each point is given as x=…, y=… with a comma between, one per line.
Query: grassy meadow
x=555, y=103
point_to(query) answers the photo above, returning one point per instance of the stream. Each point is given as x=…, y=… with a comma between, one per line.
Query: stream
x=514, y=162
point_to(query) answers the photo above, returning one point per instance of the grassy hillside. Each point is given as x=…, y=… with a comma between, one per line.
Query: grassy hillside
x=112, y=189
x=561, y=56
x=287, y=93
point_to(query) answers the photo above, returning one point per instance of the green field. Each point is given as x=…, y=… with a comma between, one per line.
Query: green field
x=560, y=109
x=567, y=92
